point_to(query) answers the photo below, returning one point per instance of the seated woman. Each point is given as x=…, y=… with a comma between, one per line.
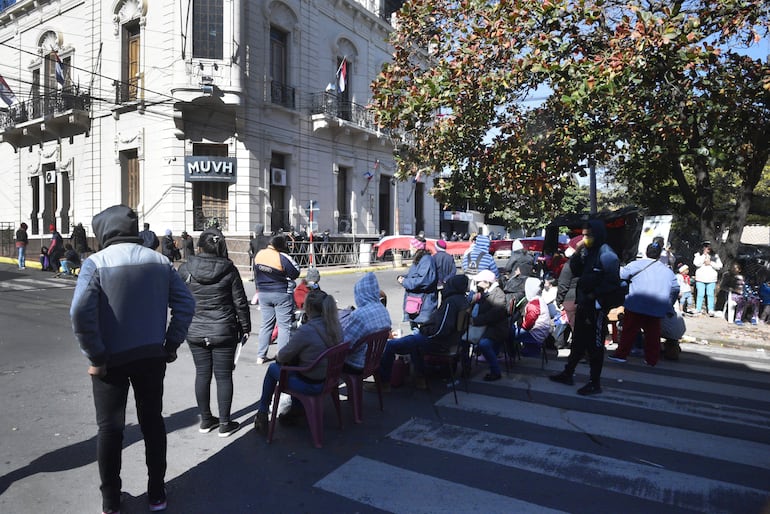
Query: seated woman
x=743, y=295
x=322, y=331
x=536, y=325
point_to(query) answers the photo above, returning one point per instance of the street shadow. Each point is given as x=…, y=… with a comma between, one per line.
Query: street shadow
x=84, y=452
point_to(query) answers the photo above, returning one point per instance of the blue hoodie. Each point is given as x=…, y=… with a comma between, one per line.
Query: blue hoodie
x=486, y=261
x=370, y=316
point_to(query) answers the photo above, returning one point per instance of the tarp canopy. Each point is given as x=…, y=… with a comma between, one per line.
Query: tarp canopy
x=624, y=227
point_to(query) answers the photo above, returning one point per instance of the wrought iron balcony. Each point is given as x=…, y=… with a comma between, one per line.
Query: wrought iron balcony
x=47, y=117
x=281, y=94
x=330, y=105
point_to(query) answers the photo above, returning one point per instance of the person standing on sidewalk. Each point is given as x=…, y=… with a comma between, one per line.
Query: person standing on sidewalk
x=276, y=272
x=149, y=239
x=707, y=266
x=222, y=320
x=598, y=267
x=653, y=290
x=21, y=244
x=119, y=316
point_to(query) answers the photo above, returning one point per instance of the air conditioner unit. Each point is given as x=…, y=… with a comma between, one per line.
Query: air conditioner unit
x=50, y=177
x=278, y=177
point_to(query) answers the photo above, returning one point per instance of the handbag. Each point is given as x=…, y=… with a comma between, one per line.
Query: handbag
x=413, y=304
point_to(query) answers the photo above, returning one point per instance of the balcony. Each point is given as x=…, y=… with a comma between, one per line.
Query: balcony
x=329, y=111
x=45, y=118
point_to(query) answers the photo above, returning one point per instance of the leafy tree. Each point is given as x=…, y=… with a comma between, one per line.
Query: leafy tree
x=660, y=89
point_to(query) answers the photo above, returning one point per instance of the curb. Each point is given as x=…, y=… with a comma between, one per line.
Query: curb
x=15, y=262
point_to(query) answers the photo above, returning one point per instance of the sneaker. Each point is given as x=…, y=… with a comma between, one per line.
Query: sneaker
x=563, y=378
x=712, y=314
x=229, y=428
x=159, y=504
x=492, y=377
x=739, y=322
x=207, y=425
x=261, y=423
x=371, y=387
x=648, y=364
x=589, y=389
x=264, y=360
x=615, y=358
x=754, y=321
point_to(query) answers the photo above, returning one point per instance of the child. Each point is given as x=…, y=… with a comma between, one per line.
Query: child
x=685, y=289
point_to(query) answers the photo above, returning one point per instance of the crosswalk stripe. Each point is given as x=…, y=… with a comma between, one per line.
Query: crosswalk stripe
x=638, y=399
x=31, y=284
x=382, y=486
x=686, y=441
x=642, y=481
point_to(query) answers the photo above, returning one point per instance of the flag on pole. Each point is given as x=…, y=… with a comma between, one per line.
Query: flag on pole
x=59, y=69
x=6, y=93
x=342, y=75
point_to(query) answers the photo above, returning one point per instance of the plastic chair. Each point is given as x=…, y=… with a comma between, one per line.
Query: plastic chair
x=375, y=345
x=450, y=357
x=313, y=404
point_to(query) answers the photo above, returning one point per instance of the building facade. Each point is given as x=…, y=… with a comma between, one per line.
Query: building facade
x=201, y=112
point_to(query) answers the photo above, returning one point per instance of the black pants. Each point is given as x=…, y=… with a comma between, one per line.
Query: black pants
x=216, y=360
x=110, y=396
x=588, y=337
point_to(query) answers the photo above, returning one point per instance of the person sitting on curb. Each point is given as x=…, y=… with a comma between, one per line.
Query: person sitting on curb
x=433, y=335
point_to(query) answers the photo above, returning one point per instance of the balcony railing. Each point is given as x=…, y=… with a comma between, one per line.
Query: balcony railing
x=126, y=91
x=330, y=104
x=45, y=105
x=281, y=94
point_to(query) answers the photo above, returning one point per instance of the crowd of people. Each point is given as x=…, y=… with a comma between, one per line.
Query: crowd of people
x=122, y=323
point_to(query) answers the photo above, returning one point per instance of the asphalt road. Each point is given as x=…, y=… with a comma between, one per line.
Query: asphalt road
x=687, y=436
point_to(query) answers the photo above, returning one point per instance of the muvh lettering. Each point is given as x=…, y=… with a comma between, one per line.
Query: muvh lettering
x=207, y=168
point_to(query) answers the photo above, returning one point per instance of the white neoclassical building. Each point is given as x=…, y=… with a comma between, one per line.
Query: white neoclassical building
x=200, y=111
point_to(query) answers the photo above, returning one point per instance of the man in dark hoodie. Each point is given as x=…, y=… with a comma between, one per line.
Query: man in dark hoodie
x=434, y=335
x=598, y=267
x=119, y=315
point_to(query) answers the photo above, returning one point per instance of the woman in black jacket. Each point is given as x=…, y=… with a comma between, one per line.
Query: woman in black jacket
x=221, y=319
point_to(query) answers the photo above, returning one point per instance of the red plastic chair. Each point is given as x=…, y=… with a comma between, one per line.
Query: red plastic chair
x=375, y=345
x=313, y=404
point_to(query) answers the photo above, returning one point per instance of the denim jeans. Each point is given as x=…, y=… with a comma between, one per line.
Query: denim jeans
x=275, y=308
x=110, y=395
x=408, y=345
x=67, y=266
x=22, y=257
x=703, y=289
x=295, y=384
x=685, y=302
x=489, y=348
x=216, y=360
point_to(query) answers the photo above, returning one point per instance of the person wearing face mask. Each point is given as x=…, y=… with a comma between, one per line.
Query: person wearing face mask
x=420, y=285
x=598, y=267
x=489, y=310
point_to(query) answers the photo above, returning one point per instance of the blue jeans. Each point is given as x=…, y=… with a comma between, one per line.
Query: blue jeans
x=685, y=301
x=67, y=266
x=702, y=289
x=22, y=257
x=110, y=396
x=489, y=348
x=295, y=384
x=275, y=308
x=216, y=360
x=407, y=345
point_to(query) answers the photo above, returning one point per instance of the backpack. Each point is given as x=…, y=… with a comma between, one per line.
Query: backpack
x=473, y=267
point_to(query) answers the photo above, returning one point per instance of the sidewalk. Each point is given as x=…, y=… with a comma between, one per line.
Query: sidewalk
x=717, y=331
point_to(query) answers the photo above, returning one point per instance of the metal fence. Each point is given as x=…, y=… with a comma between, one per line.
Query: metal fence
x=7, y=242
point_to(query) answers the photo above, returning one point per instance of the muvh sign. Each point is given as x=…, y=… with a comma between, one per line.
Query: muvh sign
x=209, y=169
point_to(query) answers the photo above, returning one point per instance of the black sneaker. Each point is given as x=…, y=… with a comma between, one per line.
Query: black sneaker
x=563, y=378
x=229, y=428
x=260, y=423
x=589, y=389
x=614, y=357
x=207, y=425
